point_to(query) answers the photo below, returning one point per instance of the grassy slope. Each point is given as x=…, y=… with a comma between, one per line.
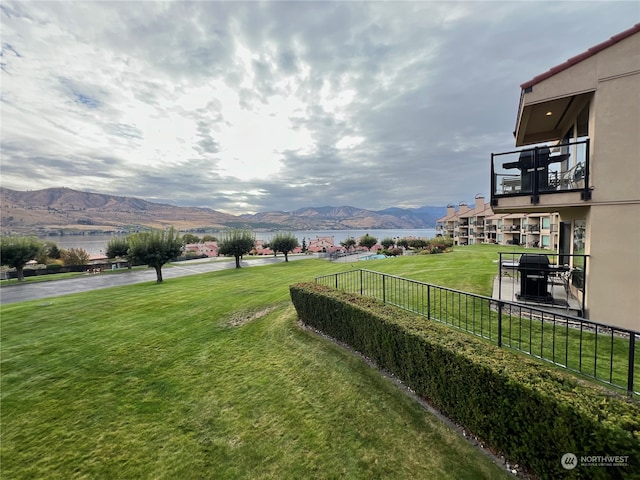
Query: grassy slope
x=210, y=377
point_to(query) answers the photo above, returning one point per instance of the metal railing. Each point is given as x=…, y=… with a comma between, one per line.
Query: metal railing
x=605, y=353
x=539, y=170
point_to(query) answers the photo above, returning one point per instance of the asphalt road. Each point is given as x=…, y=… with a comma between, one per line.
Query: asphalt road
x=19, y=292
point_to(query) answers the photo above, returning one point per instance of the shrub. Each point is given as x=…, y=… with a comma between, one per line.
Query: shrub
x=528, y=410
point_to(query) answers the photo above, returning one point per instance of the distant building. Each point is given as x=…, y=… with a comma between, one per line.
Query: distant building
x=322, y=245
x=480, y=224
x=208, y=249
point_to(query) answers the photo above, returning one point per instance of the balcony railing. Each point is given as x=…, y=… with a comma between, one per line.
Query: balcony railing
x=541, y=170
x=603, y=352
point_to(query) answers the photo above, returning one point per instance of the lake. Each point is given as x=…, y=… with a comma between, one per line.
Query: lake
x=97, y=244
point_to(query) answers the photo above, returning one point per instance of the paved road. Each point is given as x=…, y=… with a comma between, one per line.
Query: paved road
x=20, y=292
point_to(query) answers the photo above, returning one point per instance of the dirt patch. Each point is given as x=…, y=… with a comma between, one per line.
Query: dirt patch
x=241, y=318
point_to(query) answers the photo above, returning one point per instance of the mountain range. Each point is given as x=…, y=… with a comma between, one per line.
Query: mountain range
x=55, y=209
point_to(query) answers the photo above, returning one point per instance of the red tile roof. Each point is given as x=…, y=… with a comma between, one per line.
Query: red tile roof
x=578, y=58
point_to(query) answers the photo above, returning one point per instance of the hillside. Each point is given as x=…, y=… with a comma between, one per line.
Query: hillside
x=54, y=209
x=63, y=208
x=345, y=218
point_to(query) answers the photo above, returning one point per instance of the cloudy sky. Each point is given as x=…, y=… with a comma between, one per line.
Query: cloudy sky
x=246, y=107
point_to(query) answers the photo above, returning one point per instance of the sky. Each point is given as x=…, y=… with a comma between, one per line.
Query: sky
x=248, y=107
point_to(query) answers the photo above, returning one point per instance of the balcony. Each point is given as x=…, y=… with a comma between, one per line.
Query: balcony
x=533, y=228
x=541, y=170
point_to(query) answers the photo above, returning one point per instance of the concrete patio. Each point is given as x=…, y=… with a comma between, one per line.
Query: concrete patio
x=507, y=287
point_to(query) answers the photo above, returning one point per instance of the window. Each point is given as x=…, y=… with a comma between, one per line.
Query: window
x=545, y=241
x=546, y=223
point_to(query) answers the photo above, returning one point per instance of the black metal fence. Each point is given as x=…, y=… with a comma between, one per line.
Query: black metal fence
x=606, y=353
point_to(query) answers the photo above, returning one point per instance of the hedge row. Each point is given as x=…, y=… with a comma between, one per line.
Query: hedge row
x=530, y=411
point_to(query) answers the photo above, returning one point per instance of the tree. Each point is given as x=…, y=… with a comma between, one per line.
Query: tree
x=237, y=242
x=348, y=243
x=285, y=243
x=52, y=250
x=117, y=247
x=304, y=245
x=368, y=241
x=15, y=252
x=417, y=243
x=403, y=242
x=209, y=238
x=74, y=256
x=387, y=242
x=154, y=248
x=188, y=238
x=49, y=251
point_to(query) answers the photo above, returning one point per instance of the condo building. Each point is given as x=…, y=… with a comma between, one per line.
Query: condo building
x=576, y=165
x=480, y=224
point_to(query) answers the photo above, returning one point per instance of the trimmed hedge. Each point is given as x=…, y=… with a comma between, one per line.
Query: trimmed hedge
x=530, y=411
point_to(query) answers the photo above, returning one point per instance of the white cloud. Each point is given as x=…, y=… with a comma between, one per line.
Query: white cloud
x=245, y=107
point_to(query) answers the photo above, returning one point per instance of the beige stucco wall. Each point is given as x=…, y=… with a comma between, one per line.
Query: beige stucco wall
x=613, y=280
x=618, y=59
x=615, y=140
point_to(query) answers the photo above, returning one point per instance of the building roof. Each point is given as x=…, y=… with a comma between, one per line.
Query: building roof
x=578, y=58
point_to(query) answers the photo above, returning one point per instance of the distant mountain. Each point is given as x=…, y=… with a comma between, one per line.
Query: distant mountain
x=54, y=209
x=350, y=218
x=63, y=208
x=426, y=216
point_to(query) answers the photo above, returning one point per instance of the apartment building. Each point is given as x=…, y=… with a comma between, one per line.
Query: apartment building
x=480, y=224
x=579, y=124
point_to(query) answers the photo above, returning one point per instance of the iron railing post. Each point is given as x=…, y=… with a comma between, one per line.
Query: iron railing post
x=500, y=276
x=632, y=354
x=336, y=281
x=360, y=281
x=499, y=323
x=384, y=290
x=429, y=301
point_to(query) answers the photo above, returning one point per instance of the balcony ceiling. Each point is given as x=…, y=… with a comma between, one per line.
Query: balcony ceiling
x=549, y=120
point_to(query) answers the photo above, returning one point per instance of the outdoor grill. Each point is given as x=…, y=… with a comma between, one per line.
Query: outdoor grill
x=534, y=277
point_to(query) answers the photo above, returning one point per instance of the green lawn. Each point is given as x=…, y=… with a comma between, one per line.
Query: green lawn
x=209, y=376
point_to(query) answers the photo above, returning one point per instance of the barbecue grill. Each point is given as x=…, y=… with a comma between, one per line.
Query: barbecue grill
x=534, y=272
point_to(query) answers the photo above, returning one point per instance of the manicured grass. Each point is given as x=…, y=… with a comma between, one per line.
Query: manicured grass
x=208, y=376
x=469, y=268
